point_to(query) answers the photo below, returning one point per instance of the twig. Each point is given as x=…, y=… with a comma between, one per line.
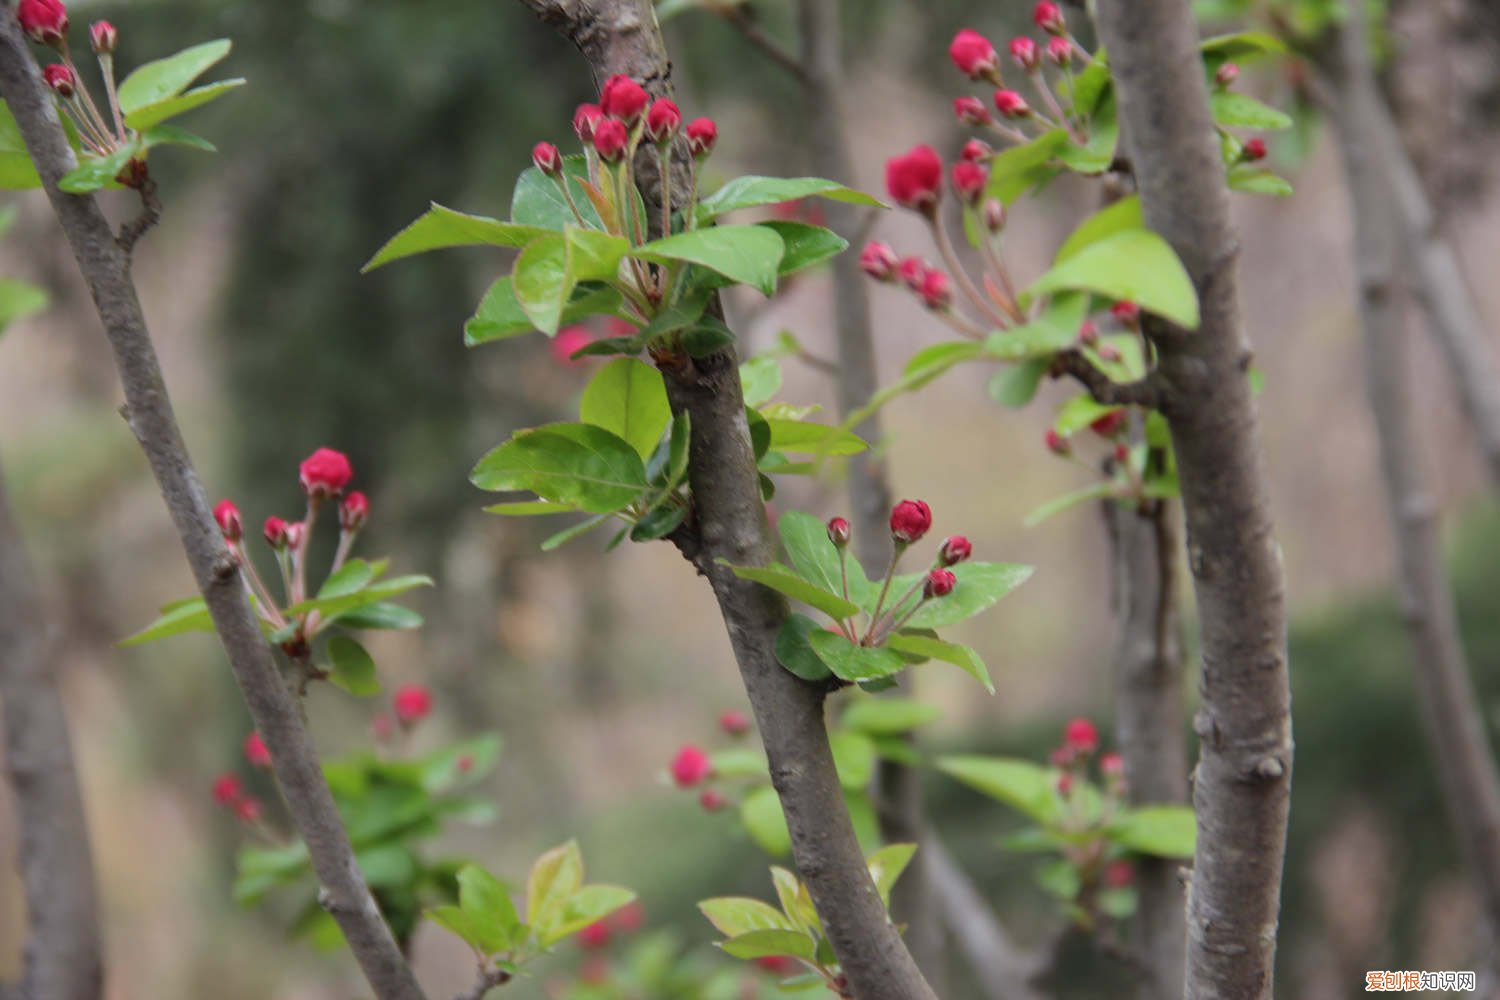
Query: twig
x=1148, y=392
x=488, y=980
x=105, y=268
x=744, y=22
x=150, y=215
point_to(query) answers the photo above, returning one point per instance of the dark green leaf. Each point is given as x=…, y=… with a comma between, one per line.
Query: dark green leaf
x=568, y=463
x=948, y=652
x=578, y=530
x=794, y=652
x=1243, y=46
x=708, y=335
x=855, y=663
x=787, y=581
x=806, y=245
x=541, y=281
x=980, y=585
x=353, y=667
x=499, y=314
x=1163, y=831
x=1017, y=384
x=659, y=523
x=813, y=555
x=761, y=814
x=538, y=199
x=1022, y=168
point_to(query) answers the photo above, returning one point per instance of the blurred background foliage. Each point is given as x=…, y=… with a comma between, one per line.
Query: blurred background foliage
x=359, y=114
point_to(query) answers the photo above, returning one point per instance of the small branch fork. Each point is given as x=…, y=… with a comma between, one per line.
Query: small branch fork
x=1149, y=392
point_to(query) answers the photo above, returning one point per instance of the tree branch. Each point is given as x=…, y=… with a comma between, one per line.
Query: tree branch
x=745, y=23
x=63, y=954
x=105, y=267
x=1004, y=971
x=1148, y=392
x=621, y=36
x=1244, y=772
x=1455, y=728
x=488, y=980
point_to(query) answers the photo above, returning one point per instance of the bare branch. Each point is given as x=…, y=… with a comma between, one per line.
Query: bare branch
x=1146, y=392
x=105, y=267
x=1241, y=792
x=749, y=28
x=150, y=215
x=63, y=955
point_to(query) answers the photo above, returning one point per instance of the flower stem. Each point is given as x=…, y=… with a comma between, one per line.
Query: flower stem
x=950, y=257
x=107, y=69
x=885, y=587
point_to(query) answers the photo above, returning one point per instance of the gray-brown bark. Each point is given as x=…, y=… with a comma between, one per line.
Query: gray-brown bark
x=1450, y=710
x=1243, y=777
x=729, y=523
x=63, y=959
x=106, y=270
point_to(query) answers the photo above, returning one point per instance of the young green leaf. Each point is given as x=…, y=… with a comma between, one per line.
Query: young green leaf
x=19, y=298
x=627, y=398
x=1023, y=168
x=761, y=379
x=763, y=944
x=487, y=905
x=795, y=652
x=566, y=463
x=787, y=581
x=554, y=878
x=163, y=79
x=795, y=901
x=761, y=814
x=441, y=227
x=1117, y=217
x=1163, y=831
x=588, y=905
x=855, y=663
x=853, y=756
x=158, y=112
x=736, y=915
x=1093, y=491
x=1134, y=264
x=185, y=616
x=353, y=667
x=1016, y=385
x=814, y=556
x=1236, y=110
x=886, y=866
x=888, y=716
x=542, y=282
x=1019, y=784
x=750, y=255
x=751, y=192
x=805, y=437
x=948, y=652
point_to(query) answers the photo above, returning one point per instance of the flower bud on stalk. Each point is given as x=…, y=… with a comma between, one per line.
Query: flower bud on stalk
x=1024, y=51
x=940, y=583
x=915, y=179
x=663, y=122
x=976, y=151
x=1226, y=74
x=624, y=99
x=1056, y=443
x=1255, y=149
x=969, y=180
x=702, y=136
x=1049, y=17
x=610, y=140
x=993, y=215
x=60, y=79
x=937, y=290
x=839, y=532
x=1060, y=52
x=879, y=261
x=910, y=520
x=103, y=37
x=1011, y=104
x=44, y=21
x=974, y=55
x=227, y=516
x=956, y=548
x=354, y=511
x=912, y=271
x=547, y=159
x=971, y=111
x=325, y=473
x=585, y=119
x=691, y=766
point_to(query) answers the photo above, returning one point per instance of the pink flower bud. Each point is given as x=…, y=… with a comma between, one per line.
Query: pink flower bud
x=915, y=179
x=43, y=21
x=976, y=151
x=354, y=511
x=940, y=583
x=227, y=516
x=227, y=789
x=1081, y=735
x=910, y=520
x=993, y=215
x=1126, y=313
x=465, y=763
x=585, y=119
x=569, y=341
x=382, y=727
x=956, y=548
x=103, y=37
x=412, y=703
x=937, y=290
x=1111, y=765
x=1065, y=784
x=971, y=111
x=325, y=473
x=1108, y=352
x=663, y=122
x=690, y=766
x=913, y=271
x=296, y=531
x=1056, y=443
x=1062, y=756
x=629, y=918
x=1059, y=51
x=275, y=532
x=547, y=159
x=702, y=136
x=839, y=531
x=1122, y=453
x=1024, y=51
x=734, y=722
x=1226, y=74
x=711, y=801
x=1119, y=874
x=255, y=750
x=247, y=810
x=1011, y=104
x=610, y=140
x=1111, y=423
x=1088, y=333
x=974, y=55
x=1049, y=17
x=969, y=180
x=60, y=78
x=778, y=965
x=1255, y=149
x=594, y=936
x=879, y=261
x=623, y=98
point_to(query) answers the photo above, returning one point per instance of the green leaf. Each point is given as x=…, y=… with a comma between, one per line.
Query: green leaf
x=888, y=716
x=261, y=869
x=796, y=903
x=794, y=651
x=854, y=757
x=1134, y=264
x=185, y=616
x=1257, y=180
x=805, y=437
x=1019, y=784
x=567, y=535
x=568, y=463
x=785, y=580
x=814, y=556
x=739, y=762
x=541, y=281
x=1243, y=46
x=750, y=255
x=1236, y=110
x=736, y=915
x=19, y=298
x=886, y=866
x=95, y=173
x=1093, y=491
x=441, y=227
x=588, y=905
x=1059, y=878
x=948, y=652
x=162, y=79
x=554, y=878
x=855, y=663
x=1020, y=169
x=1053, y=330
x=980, y=585
x=806, y=245
x=538, y=200
x=1078, y=413
x=353, y=576
x=1123, y=214
x=627, y=398
x=1016, y=385
x=592, y=255
x=1163, y=831
x=485, y=901
x=751, y=192
x=381, y=615
x=500, y=316
x=763, y=944
x=353, y=667
x=153, y=114
x=1091, y=84
x=334, y=608
x=453, y=919
x=171, y=135
x=761, y=379
x=761, y=814
x=530, y=508
x=924, y=367
x=17, y=172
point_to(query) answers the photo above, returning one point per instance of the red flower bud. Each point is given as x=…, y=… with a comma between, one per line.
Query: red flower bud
x=103, y=37
x=594, y=936
x=702, y=136
x=1111, y=765
x=915, y=180
x=1024, y=51
x=691, y=766
x=382, y=728
x=778, y=965
x=910, y=520
x=976, y=151
x=610, y=140
x=325, y=473
x=296, y=531
x=354, y=511
x=255, y=750
x=1255, y=149
x=879, y=261
x=973, y=54
x=1049, y=17
x=1011, y=104
x=629, y=918
x=1080, y=735
x=1088, y=332
x=663, y=122
x=937, y=290
x=940, y=583
x=1226, y=74
x=247, y=810
x=969, y=180
x=44, y=21
x=1062, y=756
x=623, y=98
x=412, y=703
x=1064, y=784
x=585, y=119
x=569, y=341
x=956, y=548
x=1122, y=453
x=838, y=531
x=712, y=801
x=227, y=515
x=227, y=789
x=547, y=159
x=275, y=530
x=1056, y=443
x=1110, y=424
x=1126, y=312
x=1119, y=874
x=734, y=722
x=971, y=111
x=1108, y=352
x=993, y=215
x=1059, y=51
x=913, y=271
x=60, y=79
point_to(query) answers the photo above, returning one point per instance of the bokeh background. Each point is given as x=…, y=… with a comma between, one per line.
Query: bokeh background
x=596, y=668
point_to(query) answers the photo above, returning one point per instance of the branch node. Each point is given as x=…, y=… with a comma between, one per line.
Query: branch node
x=150, y=215
x=225, y=567
x=1148, y=392
x=1269, y=769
